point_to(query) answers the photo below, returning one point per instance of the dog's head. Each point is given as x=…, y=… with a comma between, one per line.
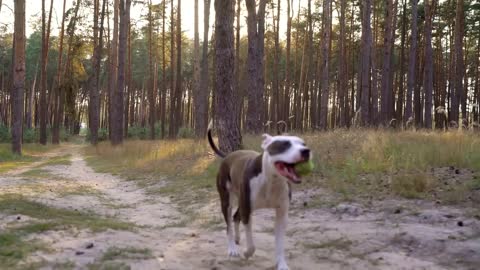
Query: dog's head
x=283, y=153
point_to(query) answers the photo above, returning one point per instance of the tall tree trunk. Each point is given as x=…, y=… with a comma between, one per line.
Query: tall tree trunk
x=178, y=84
x=117, y=117
x=342, y=66
x=18, y=76
x=386, y=91
x=112, y=76
x=196, y=74
x=411, y=62
x=428, y=70
x=457, y=95
x=171, y=128
x=151, y=87
x=276, y=60
x=325, y=64
x=57, y=114
x=201, y=113
x=364, y=82
x=164, y=70
x=239, y=90
x=228, y=131
x=286, y=98
x=256, y=32
x=401, y=94
x=43, y=74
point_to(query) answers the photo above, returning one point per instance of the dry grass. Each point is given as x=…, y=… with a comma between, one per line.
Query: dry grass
x=359, y=162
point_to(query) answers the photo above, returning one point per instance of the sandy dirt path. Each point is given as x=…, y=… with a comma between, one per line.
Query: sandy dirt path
x=388, y=234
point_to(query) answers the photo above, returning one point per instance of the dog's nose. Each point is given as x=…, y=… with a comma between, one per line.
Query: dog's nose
x=305, y=153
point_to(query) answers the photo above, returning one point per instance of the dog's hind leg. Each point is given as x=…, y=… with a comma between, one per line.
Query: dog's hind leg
x=249, y=239
x=236, y=221
x=232, y=246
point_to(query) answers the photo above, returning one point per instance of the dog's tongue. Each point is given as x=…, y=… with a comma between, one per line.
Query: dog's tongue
x=287, y=171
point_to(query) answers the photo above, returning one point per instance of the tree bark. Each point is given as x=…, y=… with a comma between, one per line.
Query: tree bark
x=18, y=76
x=117, y=117
x=325, y=64
x=411, y=62
x=43, y=74
x=428, y=70
x=57, y=114
x=364, y=83
x=151, y=87
x=386, y=101
x=457, y=95
x=256, y=32
x=228, y=131
x=112, y=76
x=196, y=74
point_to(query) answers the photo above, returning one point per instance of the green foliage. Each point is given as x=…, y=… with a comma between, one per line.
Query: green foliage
x=102, y=134
x=186, y=133
x=137, y=132
x=5, y=135
x=30, y=135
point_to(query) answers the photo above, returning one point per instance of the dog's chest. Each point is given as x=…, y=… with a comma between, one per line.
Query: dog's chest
x=267, y=193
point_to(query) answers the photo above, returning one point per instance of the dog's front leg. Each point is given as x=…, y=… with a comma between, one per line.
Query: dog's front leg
x=249, y=239
x=280, y=228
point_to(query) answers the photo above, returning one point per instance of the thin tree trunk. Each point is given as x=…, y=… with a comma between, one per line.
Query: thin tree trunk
x=113, y=68
x=457, y=95
x=171, y=128
x=325, y=64
x=196, y=74
x=428, y=70
x=164, y=70
x=18, y=76
x=364, y=82
x=411, y=62
x=151, y=87
x=401, y=94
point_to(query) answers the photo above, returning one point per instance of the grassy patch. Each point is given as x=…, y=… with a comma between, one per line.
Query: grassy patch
x=58, y=218
x=111, y=259
x=31, y=153
x=184, y=170
x=351, y=163
x=381, y=163
x=14, y=249
x=59, y=160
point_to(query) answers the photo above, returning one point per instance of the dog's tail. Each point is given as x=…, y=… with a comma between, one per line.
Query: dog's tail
x=210, y=141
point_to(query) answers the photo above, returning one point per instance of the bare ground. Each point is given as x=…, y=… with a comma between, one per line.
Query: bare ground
x=374, y=234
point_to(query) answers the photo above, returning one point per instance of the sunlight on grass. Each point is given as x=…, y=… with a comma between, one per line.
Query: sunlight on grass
x=31, y=153
x=349, y=162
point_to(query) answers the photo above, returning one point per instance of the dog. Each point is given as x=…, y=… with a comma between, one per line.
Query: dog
x=255, y=180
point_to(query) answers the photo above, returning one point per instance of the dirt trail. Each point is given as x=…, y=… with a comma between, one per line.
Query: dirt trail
x=391, y=234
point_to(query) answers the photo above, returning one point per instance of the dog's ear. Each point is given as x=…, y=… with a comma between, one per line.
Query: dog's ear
x=267, y=139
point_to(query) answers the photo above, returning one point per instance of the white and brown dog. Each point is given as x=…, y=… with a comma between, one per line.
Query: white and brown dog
x=255, y=180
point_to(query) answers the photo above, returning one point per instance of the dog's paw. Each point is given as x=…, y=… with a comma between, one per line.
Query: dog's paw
x=249, y=252
x=282, y=265
x=233, y=251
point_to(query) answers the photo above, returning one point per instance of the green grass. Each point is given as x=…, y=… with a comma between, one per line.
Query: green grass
x=30, y=154
x=14, y=248
x=112, y=256
x=58, y=218
x=59, y=160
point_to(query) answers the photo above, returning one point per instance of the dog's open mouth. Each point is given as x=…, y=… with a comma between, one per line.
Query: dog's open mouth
x=288, y=170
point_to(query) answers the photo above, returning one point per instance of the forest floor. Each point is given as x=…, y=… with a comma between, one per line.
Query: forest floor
x=63, y=212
